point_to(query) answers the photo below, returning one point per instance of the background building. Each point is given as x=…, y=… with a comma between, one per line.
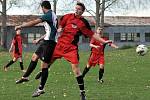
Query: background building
x=123, y=30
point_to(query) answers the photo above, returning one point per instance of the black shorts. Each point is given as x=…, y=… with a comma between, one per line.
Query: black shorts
x=45, y=50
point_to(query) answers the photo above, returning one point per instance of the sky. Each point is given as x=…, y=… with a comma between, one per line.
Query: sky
x=64, y=8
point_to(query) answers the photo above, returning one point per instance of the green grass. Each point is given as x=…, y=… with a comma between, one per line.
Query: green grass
x=126, y=78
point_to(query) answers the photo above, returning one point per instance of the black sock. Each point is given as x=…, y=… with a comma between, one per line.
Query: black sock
x=85, y=71
x=44, y=76
x=80, y=83
x=21, y=65
x=101, y=72
x=30, y=68
x=10, y=63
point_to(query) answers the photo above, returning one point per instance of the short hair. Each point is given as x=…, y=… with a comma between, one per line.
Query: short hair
x=46, y=4
x=18, y=29
x=99, y=26
x=82, y=5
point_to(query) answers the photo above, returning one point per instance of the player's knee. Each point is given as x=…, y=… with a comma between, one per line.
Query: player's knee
x=77, y=71
x=34, y=57
x=14, y=59
x=101, y=66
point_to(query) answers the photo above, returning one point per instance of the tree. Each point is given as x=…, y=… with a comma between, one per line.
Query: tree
x=3, y=13
x=3, y=27
x=114, y=6
x=100, y=10
x=55, y=5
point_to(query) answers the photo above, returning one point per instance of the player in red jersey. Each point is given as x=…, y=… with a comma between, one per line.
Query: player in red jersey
x=97, y=55
x=71, y=27
x=16, y=48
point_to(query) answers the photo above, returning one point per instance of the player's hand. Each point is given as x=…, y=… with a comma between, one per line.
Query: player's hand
x=25, y=45
x=116, y=47
x=36, y=41
x=9, y=50
x=97, y=47
x=18, y=27
x=59, y=30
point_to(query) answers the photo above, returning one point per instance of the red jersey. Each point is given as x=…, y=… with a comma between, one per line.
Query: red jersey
x=101, y=48
x=73, y=27
x=97, y=54
x=17, y=45
x=66, y=46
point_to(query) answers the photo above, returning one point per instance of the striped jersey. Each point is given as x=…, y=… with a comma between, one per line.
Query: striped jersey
x=50, y=24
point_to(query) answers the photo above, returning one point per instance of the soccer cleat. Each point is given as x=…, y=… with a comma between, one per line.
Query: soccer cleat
x=22, y=80
x=37, y=93
x=101, y=81
x=23, y=71
x=5, y=69
x=38, y=76
x=82, y=95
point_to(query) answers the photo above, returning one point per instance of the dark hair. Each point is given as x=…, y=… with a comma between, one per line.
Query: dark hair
x=18, y=29
x=81, y=4
x=101, y=27
x=46, y=4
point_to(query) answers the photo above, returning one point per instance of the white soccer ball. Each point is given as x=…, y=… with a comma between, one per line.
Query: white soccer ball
x=141, y=49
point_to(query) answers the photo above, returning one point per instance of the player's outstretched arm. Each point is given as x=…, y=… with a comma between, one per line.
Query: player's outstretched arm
x=39, y=39
x=10, y=49
x=29, y=24
x=97, y=37
x=114, y=46
x=94, y=46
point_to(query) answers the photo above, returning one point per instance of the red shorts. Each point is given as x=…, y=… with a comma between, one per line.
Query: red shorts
x=16, y=55
x=96, y=59
x=68, y=51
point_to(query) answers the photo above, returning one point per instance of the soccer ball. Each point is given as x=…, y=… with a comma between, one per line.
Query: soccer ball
x=141, y=49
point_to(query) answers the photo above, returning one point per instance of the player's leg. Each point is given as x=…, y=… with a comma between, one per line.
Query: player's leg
x=21, y=64
x=38, y=75
x=101, y=72
x=44, y=76
x=101, y=68
x=10, y=63
x=30, y=69
x=79, y=79
x=47, y=55
x=91, y=62
x=86, y=69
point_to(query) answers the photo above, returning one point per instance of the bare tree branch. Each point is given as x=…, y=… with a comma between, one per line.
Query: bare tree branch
x=100, y=3
x=9, y=6
x=1, y=1
x=1, y=12
x=110, y=4
x=89, y=11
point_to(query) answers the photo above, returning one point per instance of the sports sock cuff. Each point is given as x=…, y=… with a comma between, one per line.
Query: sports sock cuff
x=101, y=70
x=80, y=79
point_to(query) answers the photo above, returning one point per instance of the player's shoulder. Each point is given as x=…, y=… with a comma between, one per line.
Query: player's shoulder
x=85, y=21
x=47, y=15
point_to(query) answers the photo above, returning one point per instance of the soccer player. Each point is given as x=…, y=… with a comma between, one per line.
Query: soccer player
x=16, y=48
x=71, y=26
x=97, y=55
x=46, y=48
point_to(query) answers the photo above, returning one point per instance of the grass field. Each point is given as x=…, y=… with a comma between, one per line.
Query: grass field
x=127, y=77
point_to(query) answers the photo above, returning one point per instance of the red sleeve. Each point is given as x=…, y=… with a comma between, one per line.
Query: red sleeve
x=105, y=38
x=86, y=29
x=92, y=41
x=13, y=41
x=63, y=20
x=87, y=32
